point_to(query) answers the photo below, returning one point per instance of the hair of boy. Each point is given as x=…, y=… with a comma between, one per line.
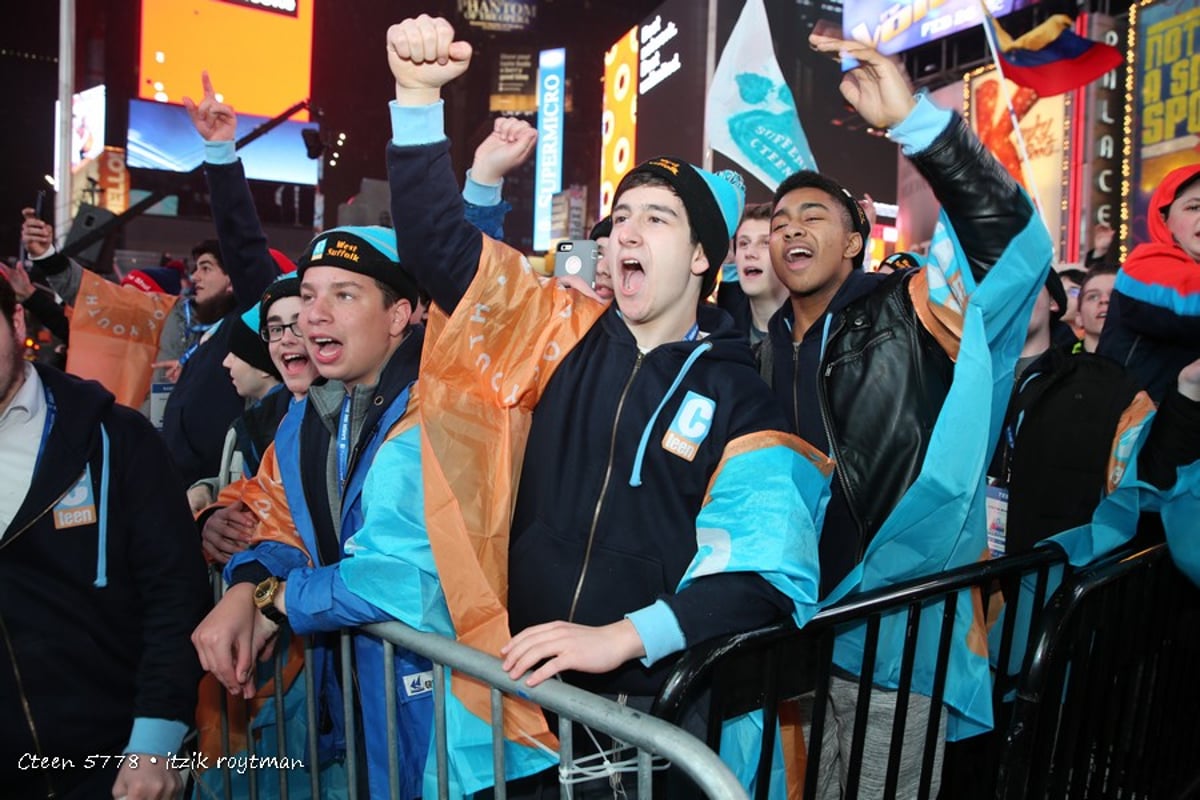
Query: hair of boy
x=1093, y=273
x=1075, y=276
x=209, y=247
x=853, y=216
x=603, y=228
x=756, y=211
x=8, y=301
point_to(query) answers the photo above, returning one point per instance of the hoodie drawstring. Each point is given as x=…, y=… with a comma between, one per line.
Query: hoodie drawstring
x=102, y=547
x=635, y=479
x=825, y=336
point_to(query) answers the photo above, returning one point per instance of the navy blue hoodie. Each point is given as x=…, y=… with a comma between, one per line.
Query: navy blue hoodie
x=606, y=516
x=204, y=403
x=97, y=618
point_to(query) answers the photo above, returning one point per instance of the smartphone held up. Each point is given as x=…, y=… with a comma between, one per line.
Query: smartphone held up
x=577, y=257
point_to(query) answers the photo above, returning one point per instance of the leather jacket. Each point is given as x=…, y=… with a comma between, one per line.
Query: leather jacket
x=881, y=375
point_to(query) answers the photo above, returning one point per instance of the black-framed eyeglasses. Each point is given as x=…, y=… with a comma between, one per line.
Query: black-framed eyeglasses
x=273, y=333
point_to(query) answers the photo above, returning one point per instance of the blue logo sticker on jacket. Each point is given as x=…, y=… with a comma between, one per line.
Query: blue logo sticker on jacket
x=691, y=424
x=78, y=506
x=418, y=683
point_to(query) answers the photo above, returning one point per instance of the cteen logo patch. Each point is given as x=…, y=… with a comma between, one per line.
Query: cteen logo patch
x=78, y=506
x=691, y=424
x=319, y=249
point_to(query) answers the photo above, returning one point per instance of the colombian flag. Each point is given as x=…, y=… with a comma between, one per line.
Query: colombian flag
x=1052, y=59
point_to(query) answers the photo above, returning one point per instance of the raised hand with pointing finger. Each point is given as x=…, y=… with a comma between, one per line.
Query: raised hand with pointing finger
x=215, y=120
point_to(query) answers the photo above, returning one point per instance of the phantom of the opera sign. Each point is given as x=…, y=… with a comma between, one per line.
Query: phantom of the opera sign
x=498, y=15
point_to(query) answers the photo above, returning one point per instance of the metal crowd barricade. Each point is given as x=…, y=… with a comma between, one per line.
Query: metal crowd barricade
x=273, y=751
x=1109, y=704
x=651, y=736
x=766, y=668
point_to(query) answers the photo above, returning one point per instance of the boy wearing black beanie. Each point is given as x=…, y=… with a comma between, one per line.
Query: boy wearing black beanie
x=649, y=419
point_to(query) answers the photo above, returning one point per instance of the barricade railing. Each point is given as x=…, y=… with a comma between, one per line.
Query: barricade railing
x=651, y=737
x=1125, y=631
x=1108, y=706
x=764, y=670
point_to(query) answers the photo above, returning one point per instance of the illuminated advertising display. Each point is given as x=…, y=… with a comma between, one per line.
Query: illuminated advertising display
x=618, y=126
x=893, y=27
x=262, y=63
x=87, y=125
x=1102, y=136
x=1165, y=92
x=514, y=83
x=672, y=51
x=1045, y=129
x=548, y=172
x=503, y=16
x=161, y=136
x=87, y=143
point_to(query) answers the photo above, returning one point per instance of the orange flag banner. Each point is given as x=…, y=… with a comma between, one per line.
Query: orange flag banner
x=114, y=336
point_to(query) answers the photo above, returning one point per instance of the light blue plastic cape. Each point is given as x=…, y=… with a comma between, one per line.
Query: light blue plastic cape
x=1116, y=517
x=1114, y=524
x=939, y=523
x=392, y=567
x=788, y=492
x=318, y=601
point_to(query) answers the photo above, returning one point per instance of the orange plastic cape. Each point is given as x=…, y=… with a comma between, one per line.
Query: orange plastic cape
x=264, y=495
x=114, y=336
x=482, y=372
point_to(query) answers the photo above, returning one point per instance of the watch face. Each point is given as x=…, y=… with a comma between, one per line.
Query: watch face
x=265, y=591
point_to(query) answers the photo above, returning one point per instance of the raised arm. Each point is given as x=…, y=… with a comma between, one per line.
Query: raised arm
x=986, y=207
x=61, y=274
x=244, y=252
x=435, y=240
x=39, y=302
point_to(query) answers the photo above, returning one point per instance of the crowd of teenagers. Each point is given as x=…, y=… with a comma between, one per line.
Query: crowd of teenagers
x=582, y=480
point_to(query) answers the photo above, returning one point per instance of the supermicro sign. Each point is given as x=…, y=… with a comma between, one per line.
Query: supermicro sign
x=551, y=88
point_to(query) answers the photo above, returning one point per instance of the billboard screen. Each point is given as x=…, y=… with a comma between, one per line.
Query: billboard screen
x=1044, y=127
x=618, y=127
x=893, y=27
x=263, y=63
x=1165, y=93
x=161, y=136
x=551, y=95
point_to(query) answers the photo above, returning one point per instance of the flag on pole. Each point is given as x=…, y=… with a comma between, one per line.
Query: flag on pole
x=1052, y=59
x=750, y=115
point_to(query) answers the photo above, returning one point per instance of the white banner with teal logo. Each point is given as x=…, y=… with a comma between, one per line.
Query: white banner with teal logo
x=750, y=114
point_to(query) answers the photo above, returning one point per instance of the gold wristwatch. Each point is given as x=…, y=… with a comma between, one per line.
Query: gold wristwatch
x=264, y=600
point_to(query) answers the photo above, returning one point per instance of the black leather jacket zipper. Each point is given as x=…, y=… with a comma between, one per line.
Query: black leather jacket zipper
x=823, y=403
